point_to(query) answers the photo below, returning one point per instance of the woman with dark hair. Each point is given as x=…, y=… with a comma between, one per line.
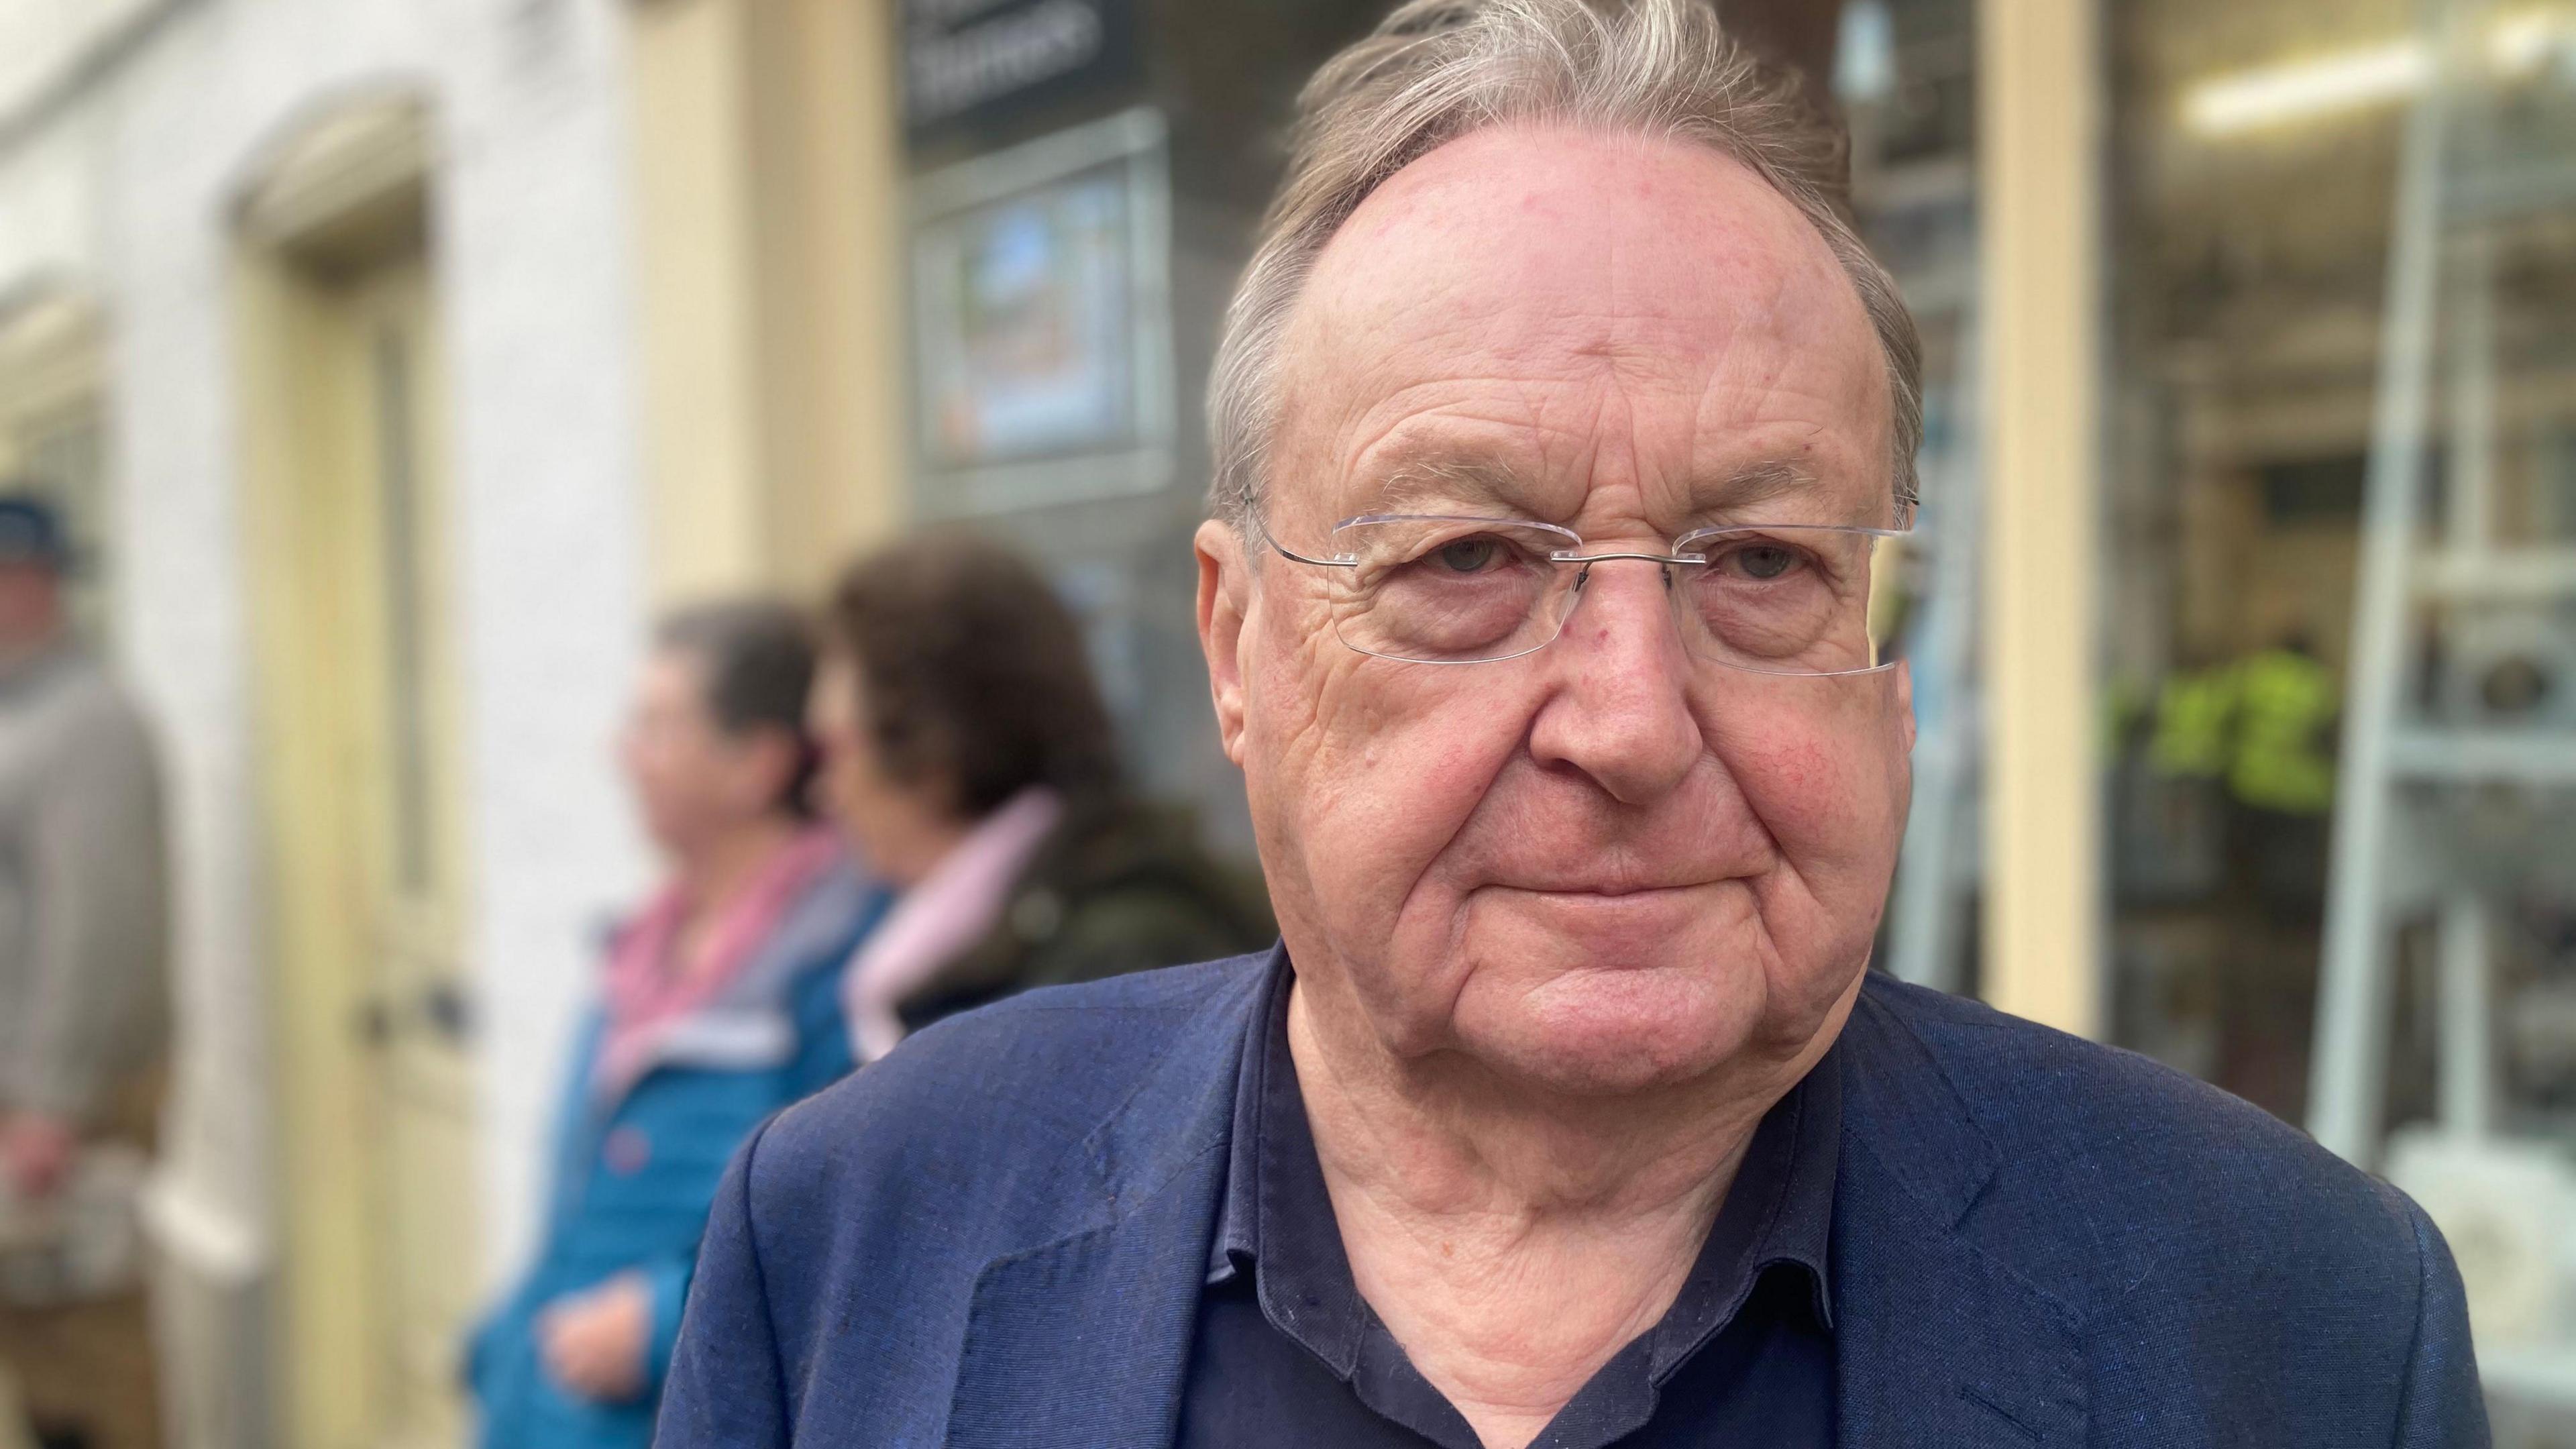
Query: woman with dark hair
x=720, y=1002
x=968, y=757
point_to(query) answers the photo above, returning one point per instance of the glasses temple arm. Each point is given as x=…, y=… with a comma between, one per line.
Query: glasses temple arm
x=1286, y=552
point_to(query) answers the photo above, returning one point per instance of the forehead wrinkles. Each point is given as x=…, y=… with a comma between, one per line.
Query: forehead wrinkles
x=1596, y=471
x=1420, y=461
x=1555, y=229
x=1518, y=294
x=1400, y=321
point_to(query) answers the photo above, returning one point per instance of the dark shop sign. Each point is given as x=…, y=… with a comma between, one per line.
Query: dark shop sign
x=967, y=62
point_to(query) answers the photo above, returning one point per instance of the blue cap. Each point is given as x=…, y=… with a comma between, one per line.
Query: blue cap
x=31, y=532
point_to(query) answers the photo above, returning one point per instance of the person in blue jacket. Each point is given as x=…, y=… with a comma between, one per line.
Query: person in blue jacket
x=720, y=1003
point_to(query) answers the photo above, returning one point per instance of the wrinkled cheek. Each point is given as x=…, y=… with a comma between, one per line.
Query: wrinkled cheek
x=1828, y=781
x=1823, y=766
x=1358, y=790
x=1375, y=833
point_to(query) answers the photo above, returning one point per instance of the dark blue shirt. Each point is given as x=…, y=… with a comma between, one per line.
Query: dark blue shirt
x=1286, y=1351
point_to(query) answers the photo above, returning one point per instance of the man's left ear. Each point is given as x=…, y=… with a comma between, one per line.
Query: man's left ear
x=1224, y=600
x=1905, y=702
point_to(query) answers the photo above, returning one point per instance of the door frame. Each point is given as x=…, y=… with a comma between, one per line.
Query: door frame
x=343, y=189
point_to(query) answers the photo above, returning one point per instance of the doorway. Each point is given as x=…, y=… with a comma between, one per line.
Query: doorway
x=360, y=749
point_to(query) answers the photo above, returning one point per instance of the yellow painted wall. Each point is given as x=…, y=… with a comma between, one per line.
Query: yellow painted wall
x=2038, y=170
x=769, y=188
x=701, y=433
x=833, y=301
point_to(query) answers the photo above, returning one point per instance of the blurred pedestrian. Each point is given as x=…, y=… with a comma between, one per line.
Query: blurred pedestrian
x=719, y=1004
x=84, y=1005
x=968, y=756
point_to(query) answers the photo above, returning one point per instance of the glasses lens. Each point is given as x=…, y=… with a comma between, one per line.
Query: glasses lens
x=1783, y=600
x=1447, y=590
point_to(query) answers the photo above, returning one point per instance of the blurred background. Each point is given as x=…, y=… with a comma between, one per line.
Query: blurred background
x=394, y=362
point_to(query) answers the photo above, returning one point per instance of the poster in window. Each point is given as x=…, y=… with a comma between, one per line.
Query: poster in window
x=1042, y=351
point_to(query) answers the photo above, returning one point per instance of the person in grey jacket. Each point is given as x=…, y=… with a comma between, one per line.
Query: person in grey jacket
x=83, y=992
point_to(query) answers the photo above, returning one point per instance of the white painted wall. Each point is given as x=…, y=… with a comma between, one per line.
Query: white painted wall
x=39, y=39
x=552, y=530
x=125, y=190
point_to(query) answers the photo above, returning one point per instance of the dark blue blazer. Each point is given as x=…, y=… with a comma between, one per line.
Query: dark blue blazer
x=997, y=1236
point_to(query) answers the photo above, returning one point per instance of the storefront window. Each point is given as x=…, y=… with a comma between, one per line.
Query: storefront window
x=2261, y=376
x=1074, y=240
x=2243, y=310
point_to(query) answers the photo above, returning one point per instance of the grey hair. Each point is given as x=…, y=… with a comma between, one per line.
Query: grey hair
x=1436, y=70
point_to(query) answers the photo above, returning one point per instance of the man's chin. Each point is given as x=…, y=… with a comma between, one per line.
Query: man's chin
x=1612, y=1032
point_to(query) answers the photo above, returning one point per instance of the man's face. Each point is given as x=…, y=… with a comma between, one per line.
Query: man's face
x=1608, y=864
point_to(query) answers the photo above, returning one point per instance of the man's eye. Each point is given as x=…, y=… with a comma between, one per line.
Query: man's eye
x=1764, y=561
x=1468, y=555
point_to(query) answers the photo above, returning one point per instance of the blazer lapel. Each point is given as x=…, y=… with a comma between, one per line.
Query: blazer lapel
x=1938, y=1343
x=1084, y=1341
x=1936, y=1346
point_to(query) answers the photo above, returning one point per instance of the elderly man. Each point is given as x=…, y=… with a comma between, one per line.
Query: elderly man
x=1558, y=422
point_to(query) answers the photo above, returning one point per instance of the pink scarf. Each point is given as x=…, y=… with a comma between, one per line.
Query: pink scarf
x=948, y=911
x=648, y=992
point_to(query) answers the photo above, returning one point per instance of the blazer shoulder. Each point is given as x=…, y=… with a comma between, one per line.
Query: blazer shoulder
x=1025, y=1079
x=2115, y=1172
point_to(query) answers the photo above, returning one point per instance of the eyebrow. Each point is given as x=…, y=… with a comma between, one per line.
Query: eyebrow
x=1441, y=481
x=1753, y=483
x=1446, y=481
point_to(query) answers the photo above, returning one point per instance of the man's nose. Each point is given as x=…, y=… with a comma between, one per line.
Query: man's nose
x=1622, y=714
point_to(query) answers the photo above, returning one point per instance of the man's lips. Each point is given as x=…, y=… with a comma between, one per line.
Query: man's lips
x=1599, y=889
x=1613, y=917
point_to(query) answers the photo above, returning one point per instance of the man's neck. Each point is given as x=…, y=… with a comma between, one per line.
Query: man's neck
x=1513, y=1244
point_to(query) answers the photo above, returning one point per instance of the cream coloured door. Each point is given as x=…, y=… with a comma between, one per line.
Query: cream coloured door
x=416, y=1020
x=346, y=429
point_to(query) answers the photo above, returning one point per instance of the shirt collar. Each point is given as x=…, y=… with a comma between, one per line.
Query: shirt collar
x=1238, y=1238
x=1277, y=1215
